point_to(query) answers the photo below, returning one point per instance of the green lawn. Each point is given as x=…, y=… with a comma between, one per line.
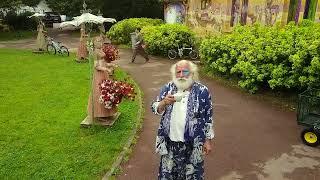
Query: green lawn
x=16, y=35
x=43, y=100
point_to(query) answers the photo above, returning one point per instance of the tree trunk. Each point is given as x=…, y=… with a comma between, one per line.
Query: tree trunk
x=310, y=9
x=232, y=12
x=244, y=12
x=293, y=7
x=296, y=18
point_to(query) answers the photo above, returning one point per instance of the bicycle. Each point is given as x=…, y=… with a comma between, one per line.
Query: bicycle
x=172, y=53
x=54, y=47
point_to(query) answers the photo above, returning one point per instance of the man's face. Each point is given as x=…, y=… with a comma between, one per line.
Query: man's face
x=183, y=71
x=183, y=77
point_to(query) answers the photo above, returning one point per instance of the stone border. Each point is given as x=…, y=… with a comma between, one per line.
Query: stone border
x=126, y=148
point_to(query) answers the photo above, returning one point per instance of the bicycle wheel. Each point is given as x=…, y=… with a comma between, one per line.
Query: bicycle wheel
x=193, y=54
x=172, y=54
x=64, y=51
x=51, y=49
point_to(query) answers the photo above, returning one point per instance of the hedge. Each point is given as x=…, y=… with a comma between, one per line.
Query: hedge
x=274, y=57
x=160, y=39
x=20, y=21
x=119, y=33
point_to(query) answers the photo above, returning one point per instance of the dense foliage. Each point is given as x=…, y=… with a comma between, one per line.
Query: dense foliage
x=160, y=39
x=110, y=8
x=119, y=33
x=267, y=57
x=20, y=21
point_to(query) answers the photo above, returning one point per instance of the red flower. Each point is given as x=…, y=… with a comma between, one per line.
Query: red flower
x=111, y=52
x=112, y=93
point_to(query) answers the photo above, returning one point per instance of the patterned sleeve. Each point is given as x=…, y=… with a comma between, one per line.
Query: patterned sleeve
x=208, y=116
x=162, y=95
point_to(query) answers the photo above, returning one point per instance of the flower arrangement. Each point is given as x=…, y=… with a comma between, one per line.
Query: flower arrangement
x=112, y=92
x=111, y=52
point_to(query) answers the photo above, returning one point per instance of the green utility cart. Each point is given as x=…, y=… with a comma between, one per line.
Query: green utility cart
x=309, y=116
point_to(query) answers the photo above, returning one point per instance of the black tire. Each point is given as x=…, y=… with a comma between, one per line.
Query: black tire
x=64, y=51
x=310, y=137
x=193, y=54
x=51, y=49
x=172, y=54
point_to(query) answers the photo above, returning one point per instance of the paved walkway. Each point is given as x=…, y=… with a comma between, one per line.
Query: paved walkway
x=253, y=139
x=64, y=37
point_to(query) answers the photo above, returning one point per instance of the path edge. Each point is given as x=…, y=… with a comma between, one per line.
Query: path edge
x=130, y=142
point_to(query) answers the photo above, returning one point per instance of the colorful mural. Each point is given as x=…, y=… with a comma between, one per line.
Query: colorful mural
x=267, y=12
x=207, y=14
x=222, y=15
x=174, y=13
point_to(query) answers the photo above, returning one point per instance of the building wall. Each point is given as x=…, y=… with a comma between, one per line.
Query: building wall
x=211, y=14
x=222, y=15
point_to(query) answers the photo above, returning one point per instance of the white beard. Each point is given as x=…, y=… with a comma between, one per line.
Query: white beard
x=183, y=83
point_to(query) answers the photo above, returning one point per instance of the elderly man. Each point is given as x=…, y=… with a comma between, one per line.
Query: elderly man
x=186, y=128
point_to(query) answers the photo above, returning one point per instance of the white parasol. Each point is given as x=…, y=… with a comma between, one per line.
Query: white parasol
x=87, y=18
x=37, y=15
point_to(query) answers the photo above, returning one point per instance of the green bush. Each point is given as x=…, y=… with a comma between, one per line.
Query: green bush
x=274, y=57
x=160, y=39
x=119, y=33
x=20, y=21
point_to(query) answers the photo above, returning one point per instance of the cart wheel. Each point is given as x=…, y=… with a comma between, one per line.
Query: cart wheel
x=64, y=51
x=172, y=54
x=51, y=49
x=310, y=137
x=193, y=54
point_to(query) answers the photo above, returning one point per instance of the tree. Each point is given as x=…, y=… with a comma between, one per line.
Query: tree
x=10, y=4
x=294, y=9
x=310, y=9
x=31, y=3
x=119, y=9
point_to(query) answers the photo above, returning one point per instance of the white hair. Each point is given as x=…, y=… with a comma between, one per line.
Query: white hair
x=193, y=68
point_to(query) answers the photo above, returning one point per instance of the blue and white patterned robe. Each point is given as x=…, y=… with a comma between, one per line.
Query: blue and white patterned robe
x=198, y=128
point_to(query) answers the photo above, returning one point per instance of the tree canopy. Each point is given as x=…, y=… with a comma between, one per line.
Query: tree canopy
x=10, y=4
x=110, y=8
x=118, y=9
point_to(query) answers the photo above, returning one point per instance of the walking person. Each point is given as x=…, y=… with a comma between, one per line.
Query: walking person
x=186, y=127
x=138, y=47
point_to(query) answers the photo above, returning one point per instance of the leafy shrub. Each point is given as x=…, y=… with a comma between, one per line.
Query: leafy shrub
x=119, y=33
x=260, y=56
x=20, y=21
x=160, y=39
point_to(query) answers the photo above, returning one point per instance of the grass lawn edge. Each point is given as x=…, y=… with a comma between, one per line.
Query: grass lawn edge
x=132, y=139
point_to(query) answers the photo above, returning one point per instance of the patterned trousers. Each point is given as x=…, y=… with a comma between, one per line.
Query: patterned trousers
x=182, y=162
x=139, y=50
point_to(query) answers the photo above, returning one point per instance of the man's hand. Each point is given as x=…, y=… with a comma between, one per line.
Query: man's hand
x=207, y=147
x=169, y=99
